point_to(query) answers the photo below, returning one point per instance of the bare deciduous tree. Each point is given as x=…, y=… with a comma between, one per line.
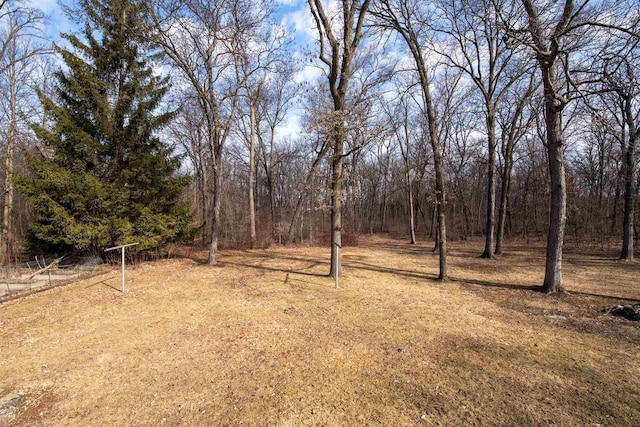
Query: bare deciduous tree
x=621, y=78
x=277, y=97
x=479, y=48
x=513, y=123
x=555, y=32
x=410, y=19
x=204, y=41
x=339, y=35
x=19, y=50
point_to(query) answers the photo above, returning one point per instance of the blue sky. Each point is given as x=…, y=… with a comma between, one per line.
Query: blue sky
x=57, y=21
x=293, y=14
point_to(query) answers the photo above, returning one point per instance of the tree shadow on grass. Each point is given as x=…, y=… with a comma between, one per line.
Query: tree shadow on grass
x=289, y=280
x=532, y=288
x=360, y=265
x=611, y=297
x=474, y=282
x=104, y=283
x=281, y=270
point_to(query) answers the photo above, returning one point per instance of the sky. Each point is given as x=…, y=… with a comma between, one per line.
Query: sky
x=292, y=14
x=57, y=21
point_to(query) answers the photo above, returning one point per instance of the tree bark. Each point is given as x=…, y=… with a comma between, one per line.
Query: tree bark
x=558, y=200
x=504, y=197
x=215, y=214
x=547, y=47
x=252, y=173
x=412, y=220
x=629, y=190
x=402, y=20
x=491, y=185
x=336, y=204
x=6, y=246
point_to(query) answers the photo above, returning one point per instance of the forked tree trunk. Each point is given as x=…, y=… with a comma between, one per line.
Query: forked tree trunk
x=546, y=45
x=337, y=53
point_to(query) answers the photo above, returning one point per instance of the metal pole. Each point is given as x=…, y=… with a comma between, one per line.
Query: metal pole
x=123, y=269
x=337, y=263
x=123, y=260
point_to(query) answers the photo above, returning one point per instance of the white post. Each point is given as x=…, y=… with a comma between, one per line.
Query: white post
x=123, y=269
x=123, y=259
x=338, y=266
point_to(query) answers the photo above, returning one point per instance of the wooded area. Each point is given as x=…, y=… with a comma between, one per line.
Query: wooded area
x=439, y=120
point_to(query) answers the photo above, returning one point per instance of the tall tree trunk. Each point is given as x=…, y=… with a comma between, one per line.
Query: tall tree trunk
x=252, y=173
x=412, y=221
x=206, y=201
x=215, y=208
x=546, y=45
x=507, y=152
x=6, y=246
x=388, y=14
x=338, y=57
x=557, y=202
x=440, y=200
x=504, y=197
x=629, y=190
x=491, y=184
x=267, y=163
x=336, y=198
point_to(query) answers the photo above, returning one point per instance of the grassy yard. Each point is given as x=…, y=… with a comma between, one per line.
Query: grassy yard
x=264, y=339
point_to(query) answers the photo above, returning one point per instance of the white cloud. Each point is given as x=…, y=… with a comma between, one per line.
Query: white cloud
x=309, y=73
x=46, y=6
x=57, y=21
x=301, y=23
x=290, y=129
x=287, y=2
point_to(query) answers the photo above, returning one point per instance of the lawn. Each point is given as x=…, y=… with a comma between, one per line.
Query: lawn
x=264, y=339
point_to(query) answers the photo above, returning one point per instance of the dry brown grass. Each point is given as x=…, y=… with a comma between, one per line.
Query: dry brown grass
x=265, y=340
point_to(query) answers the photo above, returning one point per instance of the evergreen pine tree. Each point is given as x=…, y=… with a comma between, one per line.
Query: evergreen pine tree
x=104, y=177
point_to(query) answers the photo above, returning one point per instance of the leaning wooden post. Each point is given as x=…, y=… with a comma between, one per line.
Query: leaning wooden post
x=122, y=249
